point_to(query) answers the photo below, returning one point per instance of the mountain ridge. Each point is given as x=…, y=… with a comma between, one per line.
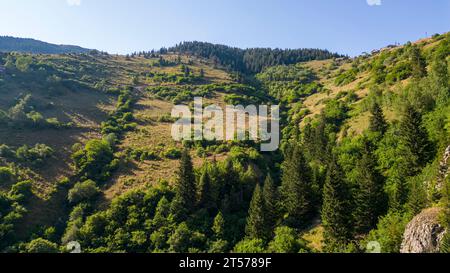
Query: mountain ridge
x=29, y=45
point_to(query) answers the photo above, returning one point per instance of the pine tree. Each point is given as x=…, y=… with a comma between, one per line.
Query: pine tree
x=336, y=216
x=219, y=227
x=377, y=120
x=206, y=199
x=229, y=193
x=415, y=141
x=186, y=194
x=270, y=204
x=161, y=214
x=370, y=200
x=255, y=228
x=296, y=187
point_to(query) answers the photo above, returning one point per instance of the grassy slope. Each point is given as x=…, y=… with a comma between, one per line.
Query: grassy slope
x=87, y=108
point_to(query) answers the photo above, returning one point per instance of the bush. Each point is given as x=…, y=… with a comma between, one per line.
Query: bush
x=35, y=155
x=172, y=153
x=6, y=175
x=6, y=151
x=83, y=191
x=41, y=246
x=22, y=190
x=250, y=246
x=93, y=162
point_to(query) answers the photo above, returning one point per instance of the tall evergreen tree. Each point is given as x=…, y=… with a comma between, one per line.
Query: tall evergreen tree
x=271, y=205
x=414, y=139
x=256, y=221
x=418, y=63
x=186, y=193
x=219, y=227
x=296, y=187
x=230, y=194
x=377, y=120
x=336, y=216
x=370, y=199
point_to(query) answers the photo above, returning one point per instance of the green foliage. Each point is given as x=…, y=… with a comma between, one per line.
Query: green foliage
x=418, y=63
x=251, y=60
x=413, y=136
x=94, y=161
x=173, y=153
x=256, y=221
x=6, y=175
x=335, y=209
x=34, y=156
x=377, y=121
x=219, y=226
x=286, y=241
x=186, y=194
x=370, y=199
x=389, y=232
x=250, y=246
x=21, y=191
x=183, y=240
x=296, y=188
x=346, y=77
x=206, y=198
x=122, y=119
x=11, y=213
x=271, y=205
x=41, y=246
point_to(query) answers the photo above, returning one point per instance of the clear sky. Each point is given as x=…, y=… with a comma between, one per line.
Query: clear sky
x=122, y=26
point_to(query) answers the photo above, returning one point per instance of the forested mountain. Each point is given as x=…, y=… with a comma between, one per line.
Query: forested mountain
x=12, y=44
x=252, y=60
x=86, y=152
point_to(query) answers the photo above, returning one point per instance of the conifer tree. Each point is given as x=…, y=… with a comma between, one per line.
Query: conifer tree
x=377, y=120
x=229, y=190
x=296, y=187
x=270, y=204
x=186, y=194
x=370, y=200
x=219, y=227
x=161, y=214
x=415, y=141
x=418, y=63
x=206, y=199
x=336, y=216
x=255, y=228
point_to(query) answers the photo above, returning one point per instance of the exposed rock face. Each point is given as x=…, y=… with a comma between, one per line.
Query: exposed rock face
x=424, y=233
x=444, y=168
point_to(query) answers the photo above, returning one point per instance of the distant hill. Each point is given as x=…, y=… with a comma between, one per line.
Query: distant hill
x=251, y=60
x=10, y=44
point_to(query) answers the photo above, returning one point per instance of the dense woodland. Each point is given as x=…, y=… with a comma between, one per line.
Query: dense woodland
x=360, y=187
x=252, y=60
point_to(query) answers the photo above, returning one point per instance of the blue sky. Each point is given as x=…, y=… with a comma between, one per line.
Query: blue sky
x=119, y=26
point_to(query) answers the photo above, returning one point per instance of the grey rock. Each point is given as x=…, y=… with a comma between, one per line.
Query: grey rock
x=424, y=233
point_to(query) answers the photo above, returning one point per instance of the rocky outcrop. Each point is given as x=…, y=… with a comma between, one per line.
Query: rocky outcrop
x=444, y=169
x=424, y=233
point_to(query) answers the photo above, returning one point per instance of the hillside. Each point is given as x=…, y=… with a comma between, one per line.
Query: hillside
x=86, y=151
x=12, y=44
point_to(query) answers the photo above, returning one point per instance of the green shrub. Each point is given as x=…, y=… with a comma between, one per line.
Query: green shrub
x=22, y=191
x=6, y=175
x=41, y=246
x=172, y=153
x=83, y=192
